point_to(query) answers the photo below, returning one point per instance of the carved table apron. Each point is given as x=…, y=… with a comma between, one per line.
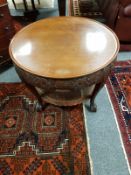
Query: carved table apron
x=76, y=83
x=66, y=92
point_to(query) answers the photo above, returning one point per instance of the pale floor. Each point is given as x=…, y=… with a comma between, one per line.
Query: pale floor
x=105, y=143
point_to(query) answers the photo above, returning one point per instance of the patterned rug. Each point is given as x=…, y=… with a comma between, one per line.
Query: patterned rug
x=119, y=87
x=51, y=142
x=85, y=8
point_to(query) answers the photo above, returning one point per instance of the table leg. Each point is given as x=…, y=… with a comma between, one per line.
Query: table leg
x=62, y=7
x=25, y=5
x=30, y=14
x=38, y=1
x=33, y=4
x=14, y=4
x=93, y=107
x=40, y=104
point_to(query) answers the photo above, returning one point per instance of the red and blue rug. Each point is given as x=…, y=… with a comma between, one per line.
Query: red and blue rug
x=51, y=142
x=119, y=87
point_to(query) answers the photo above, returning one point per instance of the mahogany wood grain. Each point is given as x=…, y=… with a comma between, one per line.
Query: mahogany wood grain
x=64, y=60
x=6, y=33
x=64, y=47
x=2, y=2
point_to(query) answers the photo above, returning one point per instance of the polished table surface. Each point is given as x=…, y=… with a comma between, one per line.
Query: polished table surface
x=64, y=60
x=64, y=47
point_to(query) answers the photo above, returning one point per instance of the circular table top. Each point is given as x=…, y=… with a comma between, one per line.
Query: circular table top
x=64, y=47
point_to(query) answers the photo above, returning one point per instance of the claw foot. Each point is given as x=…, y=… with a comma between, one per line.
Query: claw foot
x=93, y=107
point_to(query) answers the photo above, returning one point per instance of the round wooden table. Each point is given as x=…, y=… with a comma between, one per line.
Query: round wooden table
x=64, y=60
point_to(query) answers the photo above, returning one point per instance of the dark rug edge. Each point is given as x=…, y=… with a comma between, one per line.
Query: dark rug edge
x=116, y=112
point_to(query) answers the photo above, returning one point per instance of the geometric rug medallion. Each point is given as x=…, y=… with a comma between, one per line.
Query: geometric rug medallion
x=51, y=142
x=119, y=88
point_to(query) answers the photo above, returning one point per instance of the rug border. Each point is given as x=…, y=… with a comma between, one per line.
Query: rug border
x=115, y=107
x=118, y=128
